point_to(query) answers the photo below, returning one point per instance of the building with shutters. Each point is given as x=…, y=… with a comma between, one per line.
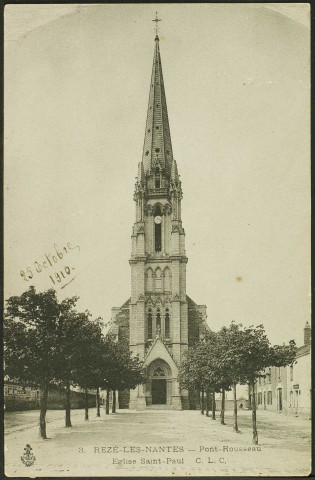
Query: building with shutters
x=288, y=389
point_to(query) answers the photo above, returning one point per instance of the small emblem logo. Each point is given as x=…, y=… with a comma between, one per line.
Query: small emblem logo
x=28, y=458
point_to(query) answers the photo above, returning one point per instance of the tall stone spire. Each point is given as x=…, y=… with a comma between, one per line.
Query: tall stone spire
x=157, y=149
x=163, y=320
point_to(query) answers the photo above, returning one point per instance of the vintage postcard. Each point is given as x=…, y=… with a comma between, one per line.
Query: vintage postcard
x=157, y=240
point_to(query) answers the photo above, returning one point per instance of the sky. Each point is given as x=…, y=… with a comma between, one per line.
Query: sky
x=236, y=76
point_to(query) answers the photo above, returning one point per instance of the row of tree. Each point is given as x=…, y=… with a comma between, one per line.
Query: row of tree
x=234, y=355
x=48, y=343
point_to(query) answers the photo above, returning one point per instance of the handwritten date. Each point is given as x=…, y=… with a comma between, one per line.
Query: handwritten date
x=49, y=262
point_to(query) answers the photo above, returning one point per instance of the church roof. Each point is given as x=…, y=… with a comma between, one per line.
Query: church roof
x=157, y=147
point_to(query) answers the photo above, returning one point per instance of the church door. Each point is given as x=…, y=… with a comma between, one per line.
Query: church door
x=159, y=391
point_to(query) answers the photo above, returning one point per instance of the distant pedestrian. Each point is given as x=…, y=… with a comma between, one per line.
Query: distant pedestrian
x=241, y=405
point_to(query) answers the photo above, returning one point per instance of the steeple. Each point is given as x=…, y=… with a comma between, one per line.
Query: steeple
x=157, y=149
x=163, y=321
x=158, y=186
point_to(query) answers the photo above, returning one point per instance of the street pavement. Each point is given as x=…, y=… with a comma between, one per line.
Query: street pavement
x=157, y=443
x=18, y=421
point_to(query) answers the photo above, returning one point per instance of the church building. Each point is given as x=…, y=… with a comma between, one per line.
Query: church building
x=159, y=320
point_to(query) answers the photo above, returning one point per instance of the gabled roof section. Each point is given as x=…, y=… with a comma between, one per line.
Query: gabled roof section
x=190, y=300
x=120, y=319
x=157, y=147
x=303, y=350
x=158, y=350
x=126, y=304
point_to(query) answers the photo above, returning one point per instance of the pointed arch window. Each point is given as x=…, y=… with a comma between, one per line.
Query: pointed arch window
x=150, y=323
x=158, y=320
x=157, y=228
x=167, y=323
x=158, y=236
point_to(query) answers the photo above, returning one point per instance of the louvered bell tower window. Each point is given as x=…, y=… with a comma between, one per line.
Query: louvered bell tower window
x=158, y=237
x=158, y=230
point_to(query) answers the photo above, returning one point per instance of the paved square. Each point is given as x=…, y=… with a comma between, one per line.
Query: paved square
x=157, y=443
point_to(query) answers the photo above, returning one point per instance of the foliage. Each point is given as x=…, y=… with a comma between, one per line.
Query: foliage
x=48, y=342
x=31, y=332
x=121, y=370
x=202, y=368
x=282, y=355
x=88, y=354
x=234, y=355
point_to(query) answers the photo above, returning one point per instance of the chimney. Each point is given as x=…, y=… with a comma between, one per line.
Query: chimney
x=307, y=334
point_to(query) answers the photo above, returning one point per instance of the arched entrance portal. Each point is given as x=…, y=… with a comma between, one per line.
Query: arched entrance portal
x=159, y=383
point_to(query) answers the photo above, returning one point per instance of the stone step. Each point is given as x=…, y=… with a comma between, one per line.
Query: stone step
x=160, y=407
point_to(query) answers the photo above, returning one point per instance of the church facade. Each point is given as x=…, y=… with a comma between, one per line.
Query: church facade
x=159, y=321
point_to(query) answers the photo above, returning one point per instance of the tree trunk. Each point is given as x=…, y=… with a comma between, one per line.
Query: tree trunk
x=114, y=402
x=213, y=406
x=223, y=407
x=98, y=403
x=86, y=417
x=207, y=403
x=235, y=426
x=107, y=402
x=255, y=433
x=202, y=401
x=68, y=405
x=249, y=399
x=43, y=410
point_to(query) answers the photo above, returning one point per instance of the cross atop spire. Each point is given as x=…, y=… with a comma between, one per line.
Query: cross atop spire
x=156, y=20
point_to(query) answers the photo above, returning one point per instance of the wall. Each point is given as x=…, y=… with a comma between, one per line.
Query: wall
x=29, y=399
x=295, y=384
x=299, y=386
x=274, y=382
